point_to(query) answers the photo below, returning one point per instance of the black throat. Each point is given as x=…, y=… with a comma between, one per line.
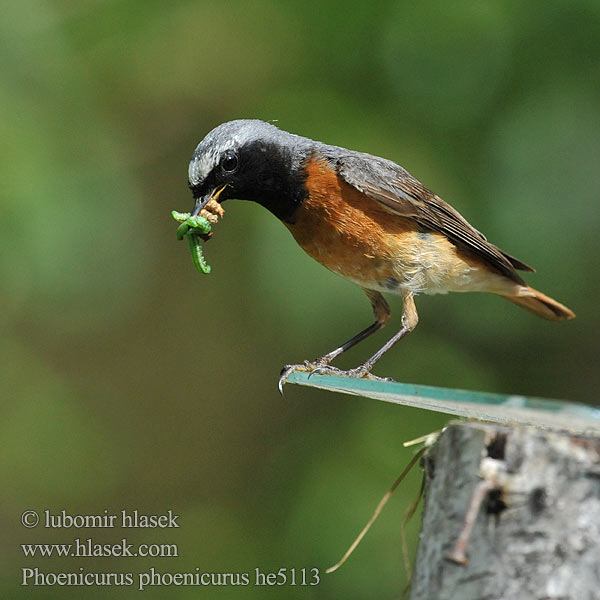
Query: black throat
x=274, y=177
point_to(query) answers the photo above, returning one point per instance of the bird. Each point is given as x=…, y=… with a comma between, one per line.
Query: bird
x=363, y=217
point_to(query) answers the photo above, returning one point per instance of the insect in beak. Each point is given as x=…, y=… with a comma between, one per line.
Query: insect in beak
x=204, y=200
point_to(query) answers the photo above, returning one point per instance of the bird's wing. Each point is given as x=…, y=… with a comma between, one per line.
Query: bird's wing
x=403, y=195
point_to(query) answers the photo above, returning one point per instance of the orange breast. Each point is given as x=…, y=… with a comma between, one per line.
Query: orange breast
x=343, y=229
x=356, y=237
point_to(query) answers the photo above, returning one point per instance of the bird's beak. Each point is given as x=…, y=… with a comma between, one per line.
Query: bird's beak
x=202, y=201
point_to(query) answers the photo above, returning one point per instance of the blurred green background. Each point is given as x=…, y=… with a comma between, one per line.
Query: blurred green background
x=130, y=381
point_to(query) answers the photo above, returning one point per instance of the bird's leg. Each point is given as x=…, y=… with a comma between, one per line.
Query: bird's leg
x=410, y=318
x=381, y=311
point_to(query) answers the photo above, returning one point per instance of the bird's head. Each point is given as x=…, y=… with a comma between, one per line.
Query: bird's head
x=250, y=160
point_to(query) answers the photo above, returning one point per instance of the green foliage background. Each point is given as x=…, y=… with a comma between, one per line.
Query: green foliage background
x=130, y=381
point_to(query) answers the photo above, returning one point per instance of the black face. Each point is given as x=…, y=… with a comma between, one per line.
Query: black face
x=261, y=171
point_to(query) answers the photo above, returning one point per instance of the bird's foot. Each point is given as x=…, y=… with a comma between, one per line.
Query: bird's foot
x=360, y=372
x=318, y=367
x=305, y=367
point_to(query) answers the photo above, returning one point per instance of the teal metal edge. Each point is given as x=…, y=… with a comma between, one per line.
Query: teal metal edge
x=500, y=408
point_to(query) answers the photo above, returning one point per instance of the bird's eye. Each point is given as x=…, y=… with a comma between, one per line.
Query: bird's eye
x=229, y=161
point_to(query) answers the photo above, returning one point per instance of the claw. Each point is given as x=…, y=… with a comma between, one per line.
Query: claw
x=288, y=370
x=325, y=370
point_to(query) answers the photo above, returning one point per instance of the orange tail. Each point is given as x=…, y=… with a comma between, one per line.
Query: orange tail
x=541, y=305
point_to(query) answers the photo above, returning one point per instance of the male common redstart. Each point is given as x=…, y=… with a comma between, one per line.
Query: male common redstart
x=363, y=217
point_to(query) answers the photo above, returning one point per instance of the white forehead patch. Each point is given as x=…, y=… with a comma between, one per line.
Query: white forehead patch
x=230, y=135
x=202, y=165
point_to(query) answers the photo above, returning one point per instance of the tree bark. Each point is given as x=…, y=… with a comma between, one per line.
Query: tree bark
x=536, y=533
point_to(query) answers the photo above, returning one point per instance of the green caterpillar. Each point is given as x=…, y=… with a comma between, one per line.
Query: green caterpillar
x=194, y=228
x=197, y=255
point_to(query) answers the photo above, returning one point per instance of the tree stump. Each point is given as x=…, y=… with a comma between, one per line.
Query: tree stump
x=536, y=533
